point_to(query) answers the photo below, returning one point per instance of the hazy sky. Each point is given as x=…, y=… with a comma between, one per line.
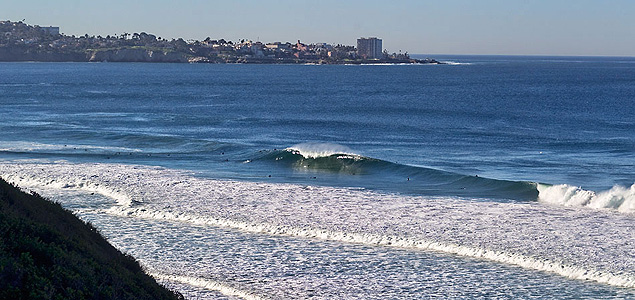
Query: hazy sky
x=532, y=27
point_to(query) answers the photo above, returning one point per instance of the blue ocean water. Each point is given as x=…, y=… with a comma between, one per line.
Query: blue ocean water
x=506, y=177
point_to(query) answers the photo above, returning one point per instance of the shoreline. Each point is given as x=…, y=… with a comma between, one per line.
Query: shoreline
x=151, y=57
x=23, y=42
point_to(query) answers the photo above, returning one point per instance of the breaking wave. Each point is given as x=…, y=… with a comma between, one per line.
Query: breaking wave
x=208, y=285
x=338, y=159
x=619, y=198
x=334, y=158
x=538, y=237
x=317, y=150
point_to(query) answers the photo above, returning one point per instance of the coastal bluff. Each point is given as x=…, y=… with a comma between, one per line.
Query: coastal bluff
x=21, y=42
x=136, y=55
x=46, y=252
x=109, y=55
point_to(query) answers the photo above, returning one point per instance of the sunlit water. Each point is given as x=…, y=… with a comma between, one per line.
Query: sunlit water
x=491, y=177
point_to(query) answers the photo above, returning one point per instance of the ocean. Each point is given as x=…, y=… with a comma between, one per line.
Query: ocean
x=501, y=177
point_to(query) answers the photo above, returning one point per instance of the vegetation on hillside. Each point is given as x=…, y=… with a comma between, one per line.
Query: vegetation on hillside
x=46, y=252
x=22, y=42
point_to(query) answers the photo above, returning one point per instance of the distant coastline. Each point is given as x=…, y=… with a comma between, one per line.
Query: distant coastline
x=22, y=42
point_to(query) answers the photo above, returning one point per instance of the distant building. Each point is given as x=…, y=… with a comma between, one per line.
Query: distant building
x=277, y=46
x=51, y=30
x=301, y=47
x=369, y=48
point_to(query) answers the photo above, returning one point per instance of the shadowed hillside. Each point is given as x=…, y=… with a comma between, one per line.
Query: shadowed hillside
x=48, y=253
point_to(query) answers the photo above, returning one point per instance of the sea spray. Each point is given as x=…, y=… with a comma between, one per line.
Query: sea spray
x=619, y=198
x=316, y=150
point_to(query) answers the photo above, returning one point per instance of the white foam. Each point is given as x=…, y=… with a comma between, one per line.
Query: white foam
x=454, y=63
x=316, y=150
x=41, y=147
x=71, y=180
x=619, y=198
x=208, y=285
x=569, y=271
x=577, y=243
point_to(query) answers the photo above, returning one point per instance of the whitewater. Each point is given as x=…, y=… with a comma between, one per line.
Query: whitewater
x=545, y=238
x=491, y=177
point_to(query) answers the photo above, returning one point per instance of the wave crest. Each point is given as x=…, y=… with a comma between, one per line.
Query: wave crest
x=618, y=197
x=386, y=175
x=575, y=243
x=317, y=150
x=208, y=284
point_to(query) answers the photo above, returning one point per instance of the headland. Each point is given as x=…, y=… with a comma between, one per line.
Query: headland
x=23, y=42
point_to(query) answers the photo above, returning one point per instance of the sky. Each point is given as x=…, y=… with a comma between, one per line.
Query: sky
x=483, y=27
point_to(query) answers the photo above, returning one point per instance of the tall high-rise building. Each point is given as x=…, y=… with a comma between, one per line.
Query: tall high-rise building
x=369, y=48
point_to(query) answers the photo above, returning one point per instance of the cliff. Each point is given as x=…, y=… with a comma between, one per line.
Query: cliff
x=10, y=54
x=135, y=55
x=48, y=253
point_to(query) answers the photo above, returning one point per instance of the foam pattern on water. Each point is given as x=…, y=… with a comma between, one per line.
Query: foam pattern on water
x=576, y=243
x=209, y=285
x=285, y=267
x=619, y=198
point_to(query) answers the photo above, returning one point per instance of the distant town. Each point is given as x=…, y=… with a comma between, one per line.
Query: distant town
x=22, y=42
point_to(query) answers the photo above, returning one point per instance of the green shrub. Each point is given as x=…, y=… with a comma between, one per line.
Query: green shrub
x=46, y=252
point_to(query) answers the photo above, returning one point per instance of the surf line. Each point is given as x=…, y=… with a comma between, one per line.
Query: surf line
x=562, y=269
x=208, y=285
